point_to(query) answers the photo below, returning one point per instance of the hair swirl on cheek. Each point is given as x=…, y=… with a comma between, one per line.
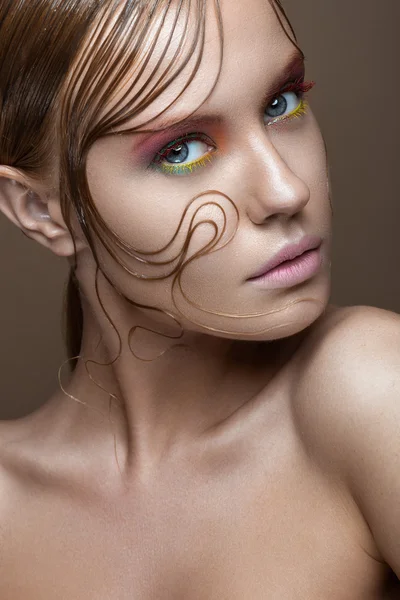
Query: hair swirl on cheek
x=102, y=67
x=214, y=245
x=116, y=42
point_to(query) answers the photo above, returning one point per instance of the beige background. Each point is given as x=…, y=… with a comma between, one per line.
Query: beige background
x=353, y=54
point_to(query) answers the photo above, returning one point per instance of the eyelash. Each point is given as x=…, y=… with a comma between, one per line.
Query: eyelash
x=187, y=168
x=299, y=87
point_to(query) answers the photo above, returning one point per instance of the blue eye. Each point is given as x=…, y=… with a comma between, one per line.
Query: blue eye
x=287, y=102
x=184, y=155
x=186, y=152
x=179, y=155
x=290, y=103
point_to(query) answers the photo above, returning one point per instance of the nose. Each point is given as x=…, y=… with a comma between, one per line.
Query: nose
x=273, y=187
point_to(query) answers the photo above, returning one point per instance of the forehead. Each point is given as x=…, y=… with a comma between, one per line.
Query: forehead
x=241, y=45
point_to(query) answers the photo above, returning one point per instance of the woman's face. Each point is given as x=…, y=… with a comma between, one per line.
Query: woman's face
x=251, y=154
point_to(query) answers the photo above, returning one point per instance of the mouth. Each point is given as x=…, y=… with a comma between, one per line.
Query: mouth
x=293, y=264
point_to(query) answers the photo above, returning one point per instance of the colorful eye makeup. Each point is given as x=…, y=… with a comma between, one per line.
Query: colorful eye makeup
x=286, y=105
x=184, y=155
x=193, y=151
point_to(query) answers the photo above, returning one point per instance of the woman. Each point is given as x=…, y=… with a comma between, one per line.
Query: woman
x=225, y=431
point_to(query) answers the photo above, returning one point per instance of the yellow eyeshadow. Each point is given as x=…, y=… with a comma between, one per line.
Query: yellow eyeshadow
x=187, y=168
x=298, y=112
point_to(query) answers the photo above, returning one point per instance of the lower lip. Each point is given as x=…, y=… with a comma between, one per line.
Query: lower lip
x=292, y=272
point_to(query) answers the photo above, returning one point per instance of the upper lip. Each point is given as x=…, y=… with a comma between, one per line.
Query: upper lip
x=289, y=252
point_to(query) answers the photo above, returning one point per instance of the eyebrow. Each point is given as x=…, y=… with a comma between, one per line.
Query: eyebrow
x=293, y=70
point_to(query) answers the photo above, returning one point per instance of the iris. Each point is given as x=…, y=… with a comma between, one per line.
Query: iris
x=278, y=107
x=178, y=155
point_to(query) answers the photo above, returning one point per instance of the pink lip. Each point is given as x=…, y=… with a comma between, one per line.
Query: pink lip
x=310, y=242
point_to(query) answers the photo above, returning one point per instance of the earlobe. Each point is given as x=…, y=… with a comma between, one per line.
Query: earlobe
x=32, y=210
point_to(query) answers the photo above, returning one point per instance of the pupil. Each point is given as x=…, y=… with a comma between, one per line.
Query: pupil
x=278, y=107
x=178, y=155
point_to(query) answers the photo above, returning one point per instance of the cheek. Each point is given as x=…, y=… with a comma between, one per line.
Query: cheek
x=313, y=156
x=306, y=154
x=316, y=169
x=140, y=215
x=155, y=215
x=303, y=149
x=150, y=219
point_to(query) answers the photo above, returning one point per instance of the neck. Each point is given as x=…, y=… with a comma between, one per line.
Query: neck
x=166, y=393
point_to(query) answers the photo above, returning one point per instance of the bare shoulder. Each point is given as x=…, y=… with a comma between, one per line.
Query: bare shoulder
x=17, y=455
x=347, y=336
x=347, y=412
x=7, y=435
x=349, y=375
x=12, y=432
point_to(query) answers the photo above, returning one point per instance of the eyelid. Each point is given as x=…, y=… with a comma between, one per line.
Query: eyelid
x=298, y=112
x=187, y=168
x=300, y=87
x=191, y=137
x=296, y=76
x=293, y=83
x=184, y=168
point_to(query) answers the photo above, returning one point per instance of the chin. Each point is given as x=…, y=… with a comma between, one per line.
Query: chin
x=301, y=309
x=300, y=316
x=291, y=315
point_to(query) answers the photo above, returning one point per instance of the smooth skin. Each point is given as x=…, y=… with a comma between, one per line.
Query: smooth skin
x=258, y=464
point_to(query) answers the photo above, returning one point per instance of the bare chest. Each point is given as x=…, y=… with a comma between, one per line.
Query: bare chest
x=276, y=531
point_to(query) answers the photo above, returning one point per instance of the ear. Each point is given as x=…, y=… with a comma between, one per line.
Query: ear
x=35, y=211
